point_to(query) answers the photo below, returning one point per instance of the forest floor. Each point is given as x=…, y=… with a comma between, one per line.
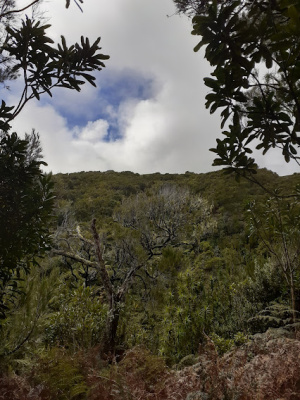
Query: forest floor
x=265, y=368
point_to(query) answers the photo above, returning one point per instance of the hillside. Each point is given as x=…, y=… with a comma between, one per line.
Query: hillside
x=182, y=299
x=97, y=193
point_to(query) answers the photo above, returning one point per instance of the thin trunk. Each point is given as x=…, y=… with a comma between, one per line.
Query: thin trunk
x=109, y=344
x=101, y=266
x=293, y=300
x=110, y=339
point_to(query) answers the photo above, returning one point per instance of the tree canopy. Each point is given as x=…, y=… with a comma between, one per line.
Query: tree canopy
x=26, y=192
x=26, y=198
x=253, y=47
x=27, y=51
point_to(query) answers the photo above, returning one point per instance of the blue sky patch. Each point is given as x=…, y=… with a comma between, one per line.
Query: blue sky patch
x=113, y=89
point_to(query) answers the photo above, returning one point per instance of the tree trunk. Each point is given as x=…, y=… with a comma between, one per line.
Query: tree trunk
x=109, y=343
x=108, y=350
x=293, y=300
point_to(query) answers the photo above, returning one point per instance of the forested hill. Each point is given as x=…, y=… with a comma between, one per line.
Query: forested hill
x=213, y=253
x=160, y=285
x=187, y=260
x=120, y=286
x=95, y=194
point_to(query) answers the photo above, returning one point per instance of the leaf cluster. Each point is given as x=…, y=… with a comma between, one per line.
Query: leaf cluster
x=26, y=193
x=253, y=48
x=44, y=67
x=26, y=197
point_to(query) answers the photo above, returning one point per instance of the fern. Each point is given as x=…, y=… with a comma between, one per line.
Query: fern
x=24, y=325
x=61, y=373
x=275, y=316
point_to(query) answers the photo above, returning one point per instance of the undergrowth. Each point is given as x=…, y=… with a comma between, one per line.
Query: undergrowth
x=264, y=369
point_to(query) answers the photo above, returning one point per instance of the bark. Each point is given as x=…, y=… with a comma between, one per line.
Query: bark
x=74, y=257
x=108, y=349
x=109, y=345
x=101, y=266
x=293, y=300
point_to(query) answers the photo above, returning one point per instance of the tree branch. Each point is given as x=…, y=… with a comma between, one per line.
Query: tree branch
x=20, y=10
x=100, y=265
x=75, y=257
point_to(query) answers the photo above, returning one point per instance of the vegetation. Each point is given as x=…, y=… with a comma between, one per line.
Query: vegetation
x=27, y=201
x=27, y=51
x=25, y=191
x=181, y=272
x=253, y=47
x=128, y=286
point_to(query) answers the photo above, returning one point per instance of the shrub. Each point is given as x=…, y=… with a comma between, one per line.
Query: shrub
x=61, y=374
x=222, y=345
x=80, y=320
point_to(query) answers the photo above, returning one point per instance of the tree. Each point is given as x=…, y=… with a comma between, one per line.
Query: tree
x=277, y=225
x=8, y=15
x=253, y=47
x=26, y=196
x=6, y=19
x=145, y=226
x=45, y=67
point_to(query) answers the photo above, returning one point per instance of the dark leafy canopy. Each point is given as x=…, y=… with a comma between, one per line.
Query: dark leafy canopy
x=45, y=67
x=254, y=47
x=8, y=14
x=6, y=73
x=26, y=199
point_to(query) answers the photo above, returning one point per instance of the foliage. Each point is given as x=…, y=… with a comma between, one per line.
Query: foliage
x=184, y=318
x=266, y=283
x=9, y=17
x=196, y=292
x=222, y=345
x=139, y=375
x=79, y=321
x=146, y=227
x=212, y=278
x=6, y=19
x=25, y=323
x=61, y=375
x=253, y=48
x=144, y=367
x=45, y=67
x=185, y=304
x=171, y=327
x=97, y=194
x=166, y=216
x=25, y=192
x=274, y=316
x=26, y=195
x=277, y=224
x=187, y=361
x=261, y=369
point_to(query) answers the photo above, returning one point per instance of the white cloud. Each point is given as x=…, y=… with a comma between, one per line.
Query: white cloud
x=93, y=132
x=168, y=131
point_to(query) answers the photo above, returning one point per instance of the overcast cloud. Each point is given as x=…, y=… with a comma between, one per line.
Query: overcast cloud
x=147, y=113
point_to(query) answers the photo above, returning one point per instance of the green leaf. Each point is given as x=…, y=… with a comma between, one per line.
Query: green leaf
x=198, y=46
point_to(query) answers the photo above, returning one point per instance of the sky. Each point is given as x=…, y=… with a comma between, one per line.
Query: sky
x=147, y=113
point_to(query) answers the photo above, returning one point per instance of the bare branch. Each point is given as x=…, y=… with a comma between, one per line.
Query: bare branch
x=100, y=265
x=19, y=10
x=75, y=257
x=128, y=282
